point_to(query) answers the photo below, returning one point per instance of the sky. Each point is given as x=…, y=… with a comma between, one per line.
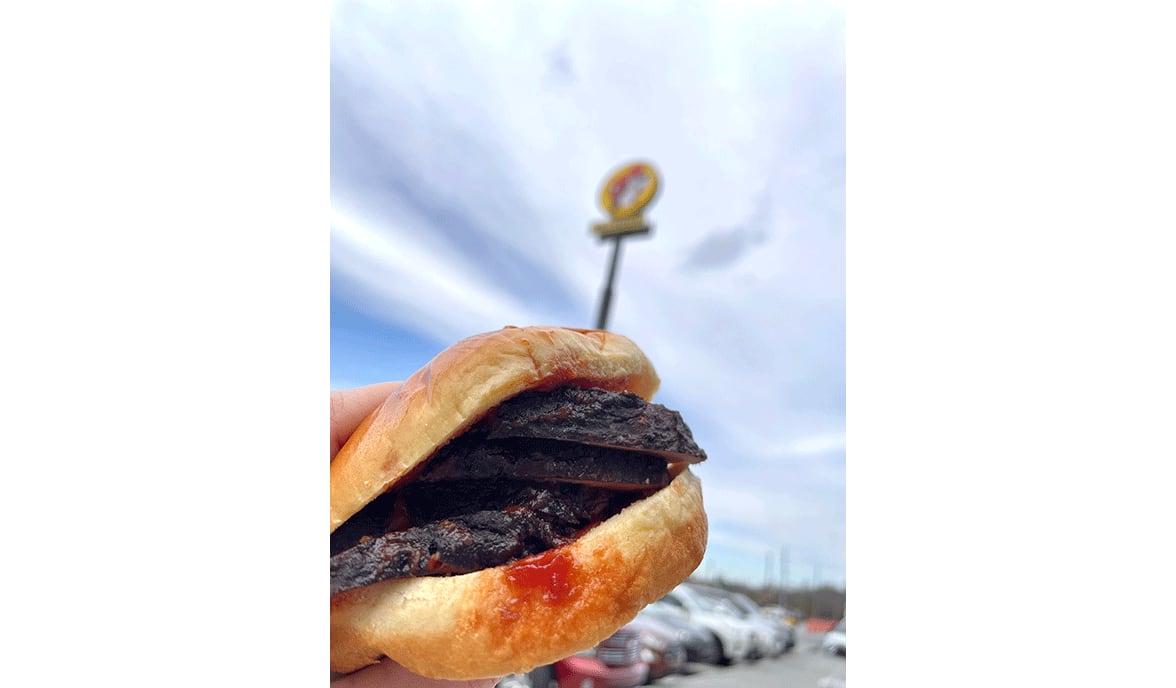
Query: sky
x=469, y=142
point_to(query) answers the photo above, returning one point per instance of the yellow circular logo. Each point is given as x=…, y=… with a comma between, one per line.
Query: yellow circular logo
x=629, y=190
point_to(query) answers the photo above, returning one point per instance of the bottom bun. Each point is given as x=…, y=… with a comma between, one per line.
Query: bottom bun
x=533, y=612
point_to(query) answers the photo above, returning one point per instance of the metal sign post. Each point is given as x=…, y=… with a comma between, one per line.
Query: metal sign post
x=625, y=194
x=606, y=297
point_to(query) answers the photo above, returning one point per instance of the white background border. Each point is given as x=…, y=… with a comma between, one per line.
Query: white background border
x=165, y=283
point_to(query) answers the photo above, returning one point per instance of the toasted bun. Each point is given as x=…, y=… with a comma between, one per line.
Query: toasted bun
x=497, y=621
x=481, y=624
x=455, y=389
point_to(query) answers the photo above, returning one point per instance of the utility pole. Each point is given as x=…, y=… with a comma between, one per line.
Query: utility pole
x=813, y=585
x=783, y=576
x=625, y=195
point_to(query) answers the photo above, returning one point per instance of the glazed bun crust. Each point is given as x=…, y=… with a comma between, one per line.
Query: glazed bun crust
x=493, y=622
x=482, y=624
x=462, y=383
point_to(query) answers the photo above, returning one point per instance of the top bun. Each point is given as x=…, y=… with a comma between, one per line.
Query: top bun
x=460, y=385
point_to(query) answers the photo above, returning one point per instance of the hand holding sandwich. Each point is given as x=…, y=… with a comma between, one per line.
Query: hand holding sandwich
x=348, y=409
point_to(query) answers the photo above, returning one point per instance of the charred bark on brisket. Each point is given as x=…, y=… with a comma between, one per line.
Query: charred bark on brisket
x=472, y=456
x=596, y=416
x=484, y=534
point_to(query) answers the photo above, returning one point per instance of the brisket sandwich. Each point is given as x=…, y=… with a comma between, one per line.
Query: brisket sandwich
x=514, y=502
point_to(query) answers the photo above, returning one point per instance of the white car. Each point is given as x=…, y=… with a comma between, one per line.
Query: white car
x=735, y=638
x=781, y=637
x=770, y=640
x=834, y=641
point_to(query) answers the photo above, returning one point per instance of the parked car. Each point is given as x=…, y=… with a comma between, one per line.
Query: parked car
x=768, y=639
x=662, y=646
x=833, y=641
x=701, y=645
x=785, y=633
x=792, y=617
x=735, y=638
x=579, y=671
x=614, y=663
x=539, y=677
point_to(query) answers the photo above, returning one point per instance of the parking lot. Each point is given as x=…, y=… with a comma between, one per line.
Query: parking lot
x=803, y=667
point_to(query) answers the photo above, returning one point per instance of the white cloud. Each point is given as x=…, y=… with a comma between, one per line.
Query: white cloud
x=818, y=444
x=434, y=288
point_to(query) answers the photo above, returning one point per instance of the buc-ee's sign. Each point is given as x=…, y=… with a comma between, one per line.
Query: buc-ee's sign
x=625, y=194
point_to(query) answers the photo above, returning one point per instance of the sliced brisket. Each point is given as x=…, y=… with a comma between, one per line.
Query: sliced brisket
x=483, y=535
x=472, y=456
x=596, y=416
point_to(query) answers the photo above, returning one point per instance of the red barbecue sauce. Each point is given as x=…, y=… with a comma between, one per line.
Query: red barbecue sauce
x=547, y=574
x=546, y=578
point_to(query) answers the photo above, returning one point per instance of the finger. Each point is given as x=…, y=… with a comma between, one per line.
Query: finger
x=389, y=674
x=350, y=406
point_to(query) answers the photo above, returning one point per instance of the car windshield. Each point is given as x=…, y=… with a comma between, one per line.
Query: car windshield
x=745, y=605
x=725, y=605
x=713, y=605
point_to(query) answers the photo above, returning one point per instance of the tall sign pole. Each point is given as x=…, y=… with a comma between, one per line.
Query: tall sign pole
x=625, y=195
x=606, y=295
